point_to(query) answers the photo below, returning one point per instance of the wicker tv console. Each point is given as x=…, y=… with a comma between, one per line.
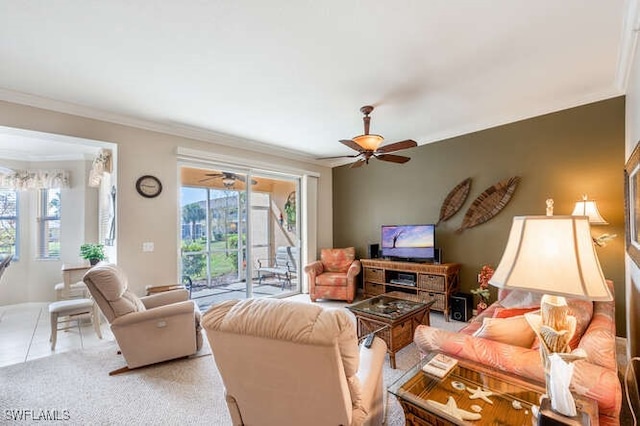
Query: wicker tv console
x=430, y=281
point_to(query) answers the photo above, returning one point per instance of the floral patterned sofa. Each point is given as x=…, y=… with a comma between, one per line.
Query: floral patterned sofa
x=501, y=338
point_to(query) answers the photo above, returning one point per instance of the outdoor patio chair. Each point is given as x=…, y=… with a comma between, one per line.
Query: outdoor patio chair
x=283, y=267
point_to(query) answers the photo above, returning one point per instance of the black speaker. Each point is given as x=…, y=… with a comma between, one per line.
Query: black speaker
x=461, y=307
x=437, y=256
x=373, y=251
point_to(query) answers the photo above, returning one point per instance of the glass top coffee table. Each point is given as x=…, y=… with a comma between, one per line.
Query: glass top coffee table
x=393, y=319
x=472, y=394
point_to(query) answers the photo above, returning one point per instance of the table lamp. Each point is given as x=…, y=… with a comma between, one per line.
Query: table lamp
x=589, y=208
x=553, y=255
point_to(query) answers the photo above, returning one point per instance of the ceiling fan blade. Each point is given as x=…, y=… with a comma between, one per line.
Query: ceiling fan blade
x=397, y=146
x=393, y=158
x=351, y=144
x=206, y=179
x=338, y=156
x=357, y=164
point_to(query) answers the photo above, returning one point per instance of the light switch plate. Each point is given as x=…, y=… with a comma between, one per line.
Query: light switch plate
x=147, y=247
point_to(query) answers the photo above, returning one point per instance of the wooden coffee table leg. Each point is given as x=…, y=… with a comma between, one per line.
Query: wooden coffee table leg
x=392, y=360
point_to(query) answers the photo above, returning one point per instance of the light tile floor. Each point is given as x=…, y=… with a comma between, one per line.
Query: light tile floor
x=25, y=330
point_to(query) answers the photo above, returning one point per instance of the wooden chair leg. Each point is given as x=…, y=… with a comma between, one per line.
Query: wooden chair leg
x=54, y=330
x=119, y=371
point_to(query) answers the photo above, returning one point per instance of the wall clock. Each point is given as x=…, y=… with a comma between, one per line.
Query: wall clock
x=148, y=186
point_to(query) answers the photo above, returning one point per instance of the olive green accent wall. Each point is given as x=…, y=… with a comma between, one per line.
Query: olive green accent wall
x=561, y=156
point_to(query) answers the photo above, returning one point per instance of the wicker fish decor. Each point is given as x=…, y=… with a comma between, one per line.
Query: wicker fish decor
x=489, y=203
x=454, y=201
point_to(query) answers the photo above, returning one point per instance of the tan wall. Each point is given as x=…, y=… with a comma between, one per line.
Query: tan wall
x=154, y=220
x=633, y=271
x=562, y=156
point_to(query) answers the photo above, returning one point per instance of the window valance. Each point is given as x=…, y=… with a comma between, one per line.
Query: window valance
x=35, y=179
x=101, y=165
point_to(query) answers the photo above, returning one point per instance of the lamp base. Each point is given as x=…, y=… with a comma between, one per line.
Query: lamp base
x=548, y=417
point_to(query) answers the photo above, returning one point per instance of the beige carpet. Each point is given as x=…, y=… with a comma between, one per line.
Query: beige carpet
x=75, y=385
x=180, y=392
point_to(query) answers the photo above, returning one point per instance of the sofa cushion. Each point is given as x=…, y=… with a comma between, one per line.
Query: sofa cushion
x=512, y=312
x=582, y=310
x=513, y=330
x=520, y=299
x=337, y=259
x=332, y=279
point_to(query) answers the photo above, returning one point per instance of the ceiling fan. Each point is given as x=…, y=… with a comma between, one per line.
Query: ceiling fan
x=368, y=145
x=228, y=179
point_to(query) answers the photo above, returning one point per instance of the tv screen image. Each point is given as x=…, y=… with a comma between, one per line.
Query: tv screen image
x=409, y=241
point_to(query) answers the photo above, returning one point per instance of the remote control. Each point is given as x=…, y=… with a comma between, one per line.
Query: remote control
x=368, y=341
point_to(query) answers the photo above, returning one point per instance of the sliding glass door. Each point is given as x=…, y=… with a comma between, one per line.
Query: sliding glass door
x=235, y=225
x=274, y=235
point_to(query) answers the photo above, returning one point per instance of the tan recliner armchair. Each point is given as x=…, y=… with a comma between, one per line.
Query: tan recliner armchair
x=294, y=363
x=148, y=329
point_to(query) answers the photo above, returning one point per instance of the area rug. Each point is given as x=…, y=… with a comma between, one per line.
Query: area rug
x=75, y=387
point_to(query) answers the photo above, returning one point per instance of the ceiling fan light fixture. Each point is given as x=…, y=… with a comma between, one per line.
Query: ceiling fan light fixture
x=369, y=142
x=228, y=182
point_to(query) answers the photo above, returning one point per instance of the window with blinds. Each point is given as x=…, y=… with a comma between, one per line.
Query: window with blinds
x=9, y=223
x=49, y=224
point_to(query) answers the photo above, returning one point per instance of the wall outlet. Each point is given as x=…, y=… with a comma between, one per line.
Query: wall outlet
x=147, y=247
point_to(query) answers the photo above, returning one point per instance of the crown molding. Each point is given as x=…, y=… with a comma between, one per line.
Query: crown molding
x=180, y=130
x=629, y=40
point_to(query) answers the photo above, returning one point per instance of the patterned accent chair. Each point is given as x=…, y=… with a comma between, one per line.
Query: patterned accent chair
x=334, y=275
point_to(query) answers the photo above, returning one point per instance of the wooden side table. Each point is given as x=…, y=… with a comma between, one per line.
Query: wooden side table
x=394, y=320
x=511, y=397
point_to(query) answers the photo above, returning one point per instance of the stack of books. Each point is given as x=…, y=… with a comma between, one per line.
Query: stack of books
x=440, y=365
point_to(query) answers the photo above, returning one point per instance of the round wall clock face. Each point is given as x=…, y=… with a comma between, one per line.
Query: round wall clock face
x=148, y=186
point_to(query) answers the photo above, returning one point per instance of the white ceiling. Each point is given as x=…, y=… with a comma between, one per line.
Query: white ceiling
x=293, y=74
x=27, y=145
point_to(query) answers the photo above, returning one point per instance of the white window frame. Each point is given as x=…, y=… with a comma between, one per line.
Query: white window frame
x=43, y=220
x=16, y=218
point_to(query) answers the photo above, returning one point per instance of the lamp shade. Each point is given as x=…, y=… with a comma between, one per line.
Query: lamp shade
x=552, y=255
x=369, y=142
x=590, y=209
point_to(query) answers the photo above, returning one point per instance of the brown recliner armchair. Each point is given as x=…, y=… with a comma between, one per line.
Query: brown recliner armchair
x=334, y=275
x=147, y=329
x=294, y=363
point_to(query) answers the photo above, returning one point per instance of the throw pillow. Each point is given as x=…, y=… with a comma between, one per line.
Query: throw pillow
x=513, y=312
x=521, y=299
x=514, y=331
x=583, y=311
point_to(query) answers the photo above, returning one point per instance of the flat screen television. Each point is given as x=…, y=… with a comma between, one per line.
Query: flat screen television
x=409, y=242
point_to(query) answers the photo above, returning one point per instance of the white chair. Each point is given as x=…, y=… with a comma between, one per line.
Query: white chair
x=66, y=311
x=72, y=286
